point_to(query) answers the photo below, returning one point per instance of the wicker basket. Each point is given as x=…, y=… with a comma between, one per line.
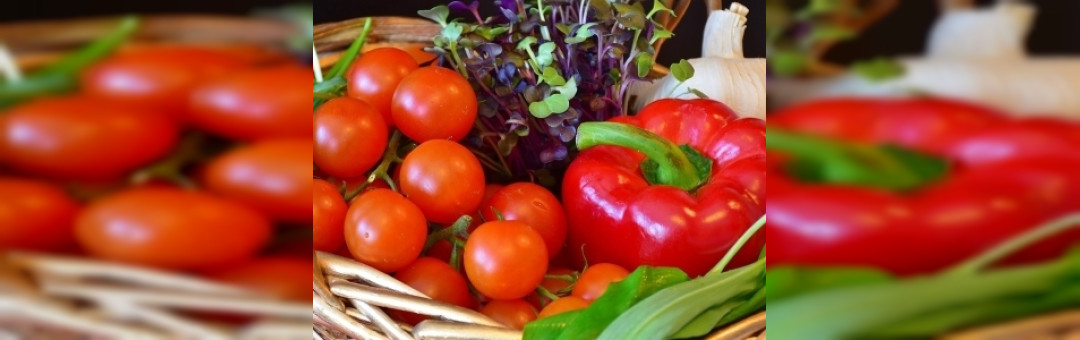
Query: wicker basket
x=46, y=296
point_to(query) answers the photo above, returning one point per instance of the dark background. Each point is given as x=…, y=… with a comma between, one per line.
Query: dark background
x=903, y=32
x=12, y=10
x=685, y=45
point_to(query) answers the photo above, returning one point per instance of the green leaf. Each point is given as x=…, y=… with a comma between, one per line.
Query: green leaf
x=569, y=89
x=644, y=64
x=581, y=34
x=755, y=304
x=452, y=31
x=823, y=32
x=663, y=314
x=525, y=43
x=550, y=327
x=659, y=7
x=706, y=321
x=878, y=69
x=682, y=70
x=539, y=109
x=788, y=62
x=619, y=297
x=552, y=77
x=437, y=14
x=489, y=33
x=545, y=54
x=660, y=33
x=818, y=7
x=630, y=16
x=557, y=103
x=786, y=282
x=698, y=93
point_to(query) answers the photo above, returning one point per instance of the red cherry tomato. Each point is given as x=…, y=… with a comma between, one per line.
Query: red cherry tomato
x=534, y=205
x=273, y=176
x=328, y=216
x=350, y=137
x=437, y=280
x=594, y=280
x=375, y=75
x=385, y=230
x=83, y=138
x=171, y=228
x=35, y=215
x=505, y=260
x=444, y=179
x=281, y=277
x=161, y=77
x=511, y=313
x=255, y=104
x=434, y=103
x=563, y=305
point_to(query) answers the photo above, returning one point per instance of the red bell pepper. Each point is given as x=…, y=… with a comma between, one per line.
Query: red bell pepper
x=1004, y=176
x=685, y=216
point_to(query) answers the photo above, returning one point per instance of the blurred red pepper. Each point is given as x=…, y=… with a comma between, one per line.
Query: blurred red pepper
x=690, y=210
x=1004, y=176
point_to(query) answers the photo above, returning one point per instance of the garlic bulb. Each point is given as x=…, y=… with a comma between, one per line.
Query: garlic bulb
x=722, y=73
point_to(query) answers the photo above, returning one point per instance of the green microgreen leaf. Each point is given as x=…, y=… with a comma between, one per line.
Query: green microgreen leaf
x=644, y=64
x=630, y=16
x=452, y=31
x=552, y=77
x=569, y=89
x=682, y=70
x=658, y=7
x=526, y=43
x=437, y=14
x=660, y=33
x=698, y=93
x=878, y=69
x=557, y=103
x=545, y=54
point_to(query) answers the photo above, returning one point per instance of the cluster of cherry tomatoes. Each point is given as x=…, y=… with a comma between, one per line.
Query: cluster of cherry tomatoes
x=176, y=157
x=419, y=207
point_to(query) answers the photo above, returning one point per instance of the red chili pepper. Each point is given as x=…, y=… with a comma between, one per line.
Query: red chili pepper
x=1004, y=177
x=685, y=216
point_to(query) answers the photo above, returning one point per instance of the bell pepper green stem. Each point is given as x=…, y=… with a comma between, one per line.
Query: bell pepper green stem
x=980, y=262
x=675, y=168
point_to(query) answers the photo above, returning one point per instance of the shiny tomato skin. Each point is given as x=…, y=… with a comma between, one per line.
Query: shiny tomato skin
x=254, y=104
x=437, y=280
x=534, y=205
x=350, y=137
x=161, y=77
x=505, y=260
x=35, y=215
x=511, y=313
x=563, y=305
x=444, y=179
x=279, y=277
x=384, y=230
x=83, y=138
x=434, y=103
x=594, y=280
x=375, y=75
x=272, y=176
x=328, y=216
x=171, y=228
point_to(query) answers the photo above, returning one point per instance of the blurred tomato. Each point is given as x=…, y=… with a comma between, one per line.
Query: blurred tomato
x=35, y=215
x=83, y=138
x=273, y=176
x=255, y=104
x=328, y=216
x=350, y=137
x=375, y=75
x=171, y=228
x=162, y=77
x=281, y=277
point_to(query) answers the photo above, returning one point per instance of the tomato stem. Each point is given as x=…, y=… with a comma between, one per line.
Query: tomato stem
x=460, y=228
x=546, y=294
x=738, y=246
x=390, y=156
x=674, y=166
x=974, y=265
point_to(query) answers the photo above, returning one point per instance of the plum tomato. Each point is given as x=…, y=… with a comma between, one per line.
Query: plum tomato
x=83, y=138
x=384, y=230
x=254, y=104
x=280, y=277
x=505, y=260
x=595, y=280
x=328, y=216
x=375, y=75
x=272, y=176
x=35, y=215
x=534, y=205
x=434, y=103
x=511, y=313
x=171, y=228
x=161, y=77
x=437, y=280
x=563, y=305
x=444, y=179
x=350, y=137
